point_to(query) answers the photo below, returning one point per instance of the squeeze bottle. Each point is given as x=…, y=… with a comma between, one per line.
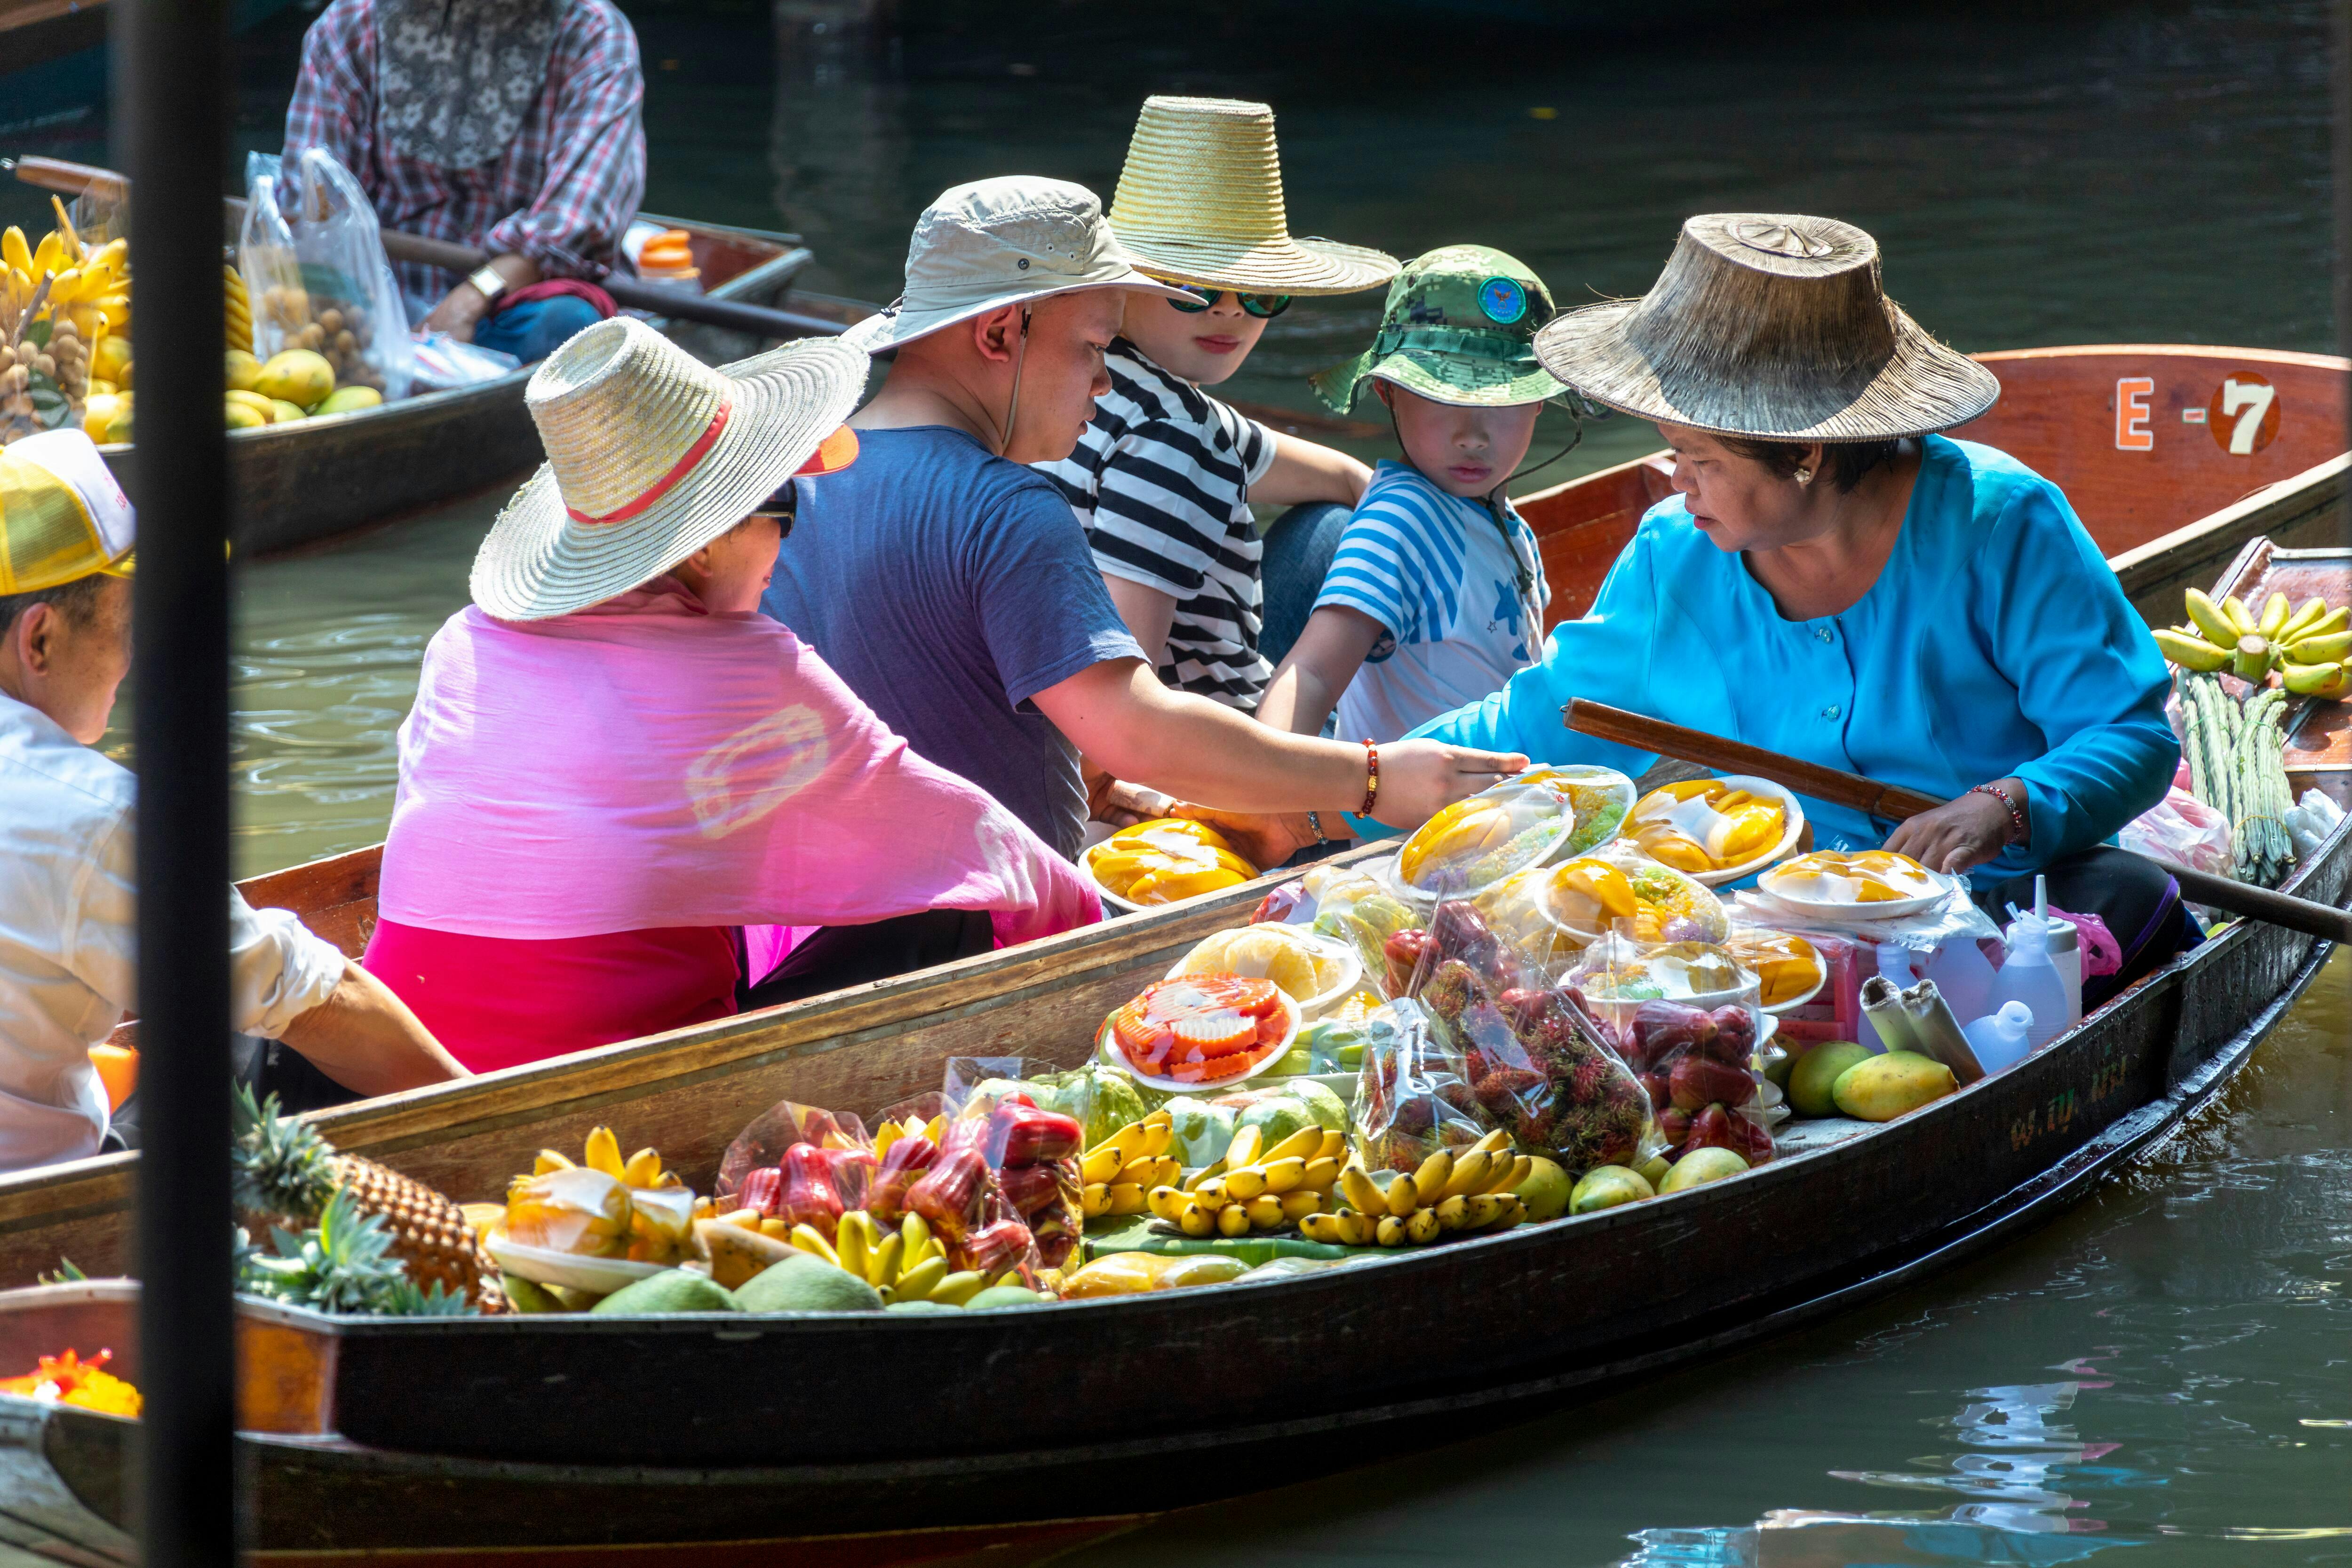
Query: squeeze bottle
x=2002, y=1038
x=2030, y=974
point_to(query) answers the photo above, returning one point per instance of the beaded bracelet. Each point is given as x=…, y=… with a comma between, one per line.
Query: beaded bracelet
x=2018, y=831
x=1315, y=820
x=1371, y=779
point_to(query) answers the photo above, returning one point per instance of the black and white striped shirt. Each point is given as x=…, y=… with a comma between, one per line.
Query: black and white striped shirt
x=1160, y=483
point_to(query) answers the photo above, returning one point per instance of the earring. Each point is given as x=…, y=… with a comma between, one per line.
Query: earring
x=1804, y=475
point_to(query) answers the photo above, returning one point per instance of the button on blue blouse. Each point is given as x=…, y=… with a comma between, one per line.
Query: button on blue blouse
x=1996, y=643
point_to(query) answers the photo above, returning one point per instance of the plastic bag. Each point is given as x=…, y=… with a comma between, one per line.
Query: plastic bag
x=342, y=302
x=1685, y=1016
x=437, y=361
x=1412, y=1096
x=1717, y=828
x=2308, y=823
x=1028, y=1212
x=1541, y=814
x=799, y=1164
x=1549, y=913
x=2182, y=828
x=1315, y=972
x=1353, y=904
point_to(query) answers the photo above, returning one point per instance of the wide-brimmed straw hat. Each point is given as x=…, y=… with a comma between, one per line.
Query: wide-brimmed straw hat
x=1200, y=201
x=1000, y=241
x=1772, y=326
x=62, y=515
x=1459, y=327
x=651, y=455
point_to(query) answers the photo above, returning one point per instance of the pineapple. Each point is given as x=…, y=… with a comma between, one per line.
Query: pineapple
x=286, y=1176
x=342, y=1266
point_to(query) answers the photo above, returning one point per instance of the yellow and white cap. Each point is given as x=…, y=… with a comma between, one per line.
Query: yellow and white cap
x=62, y=515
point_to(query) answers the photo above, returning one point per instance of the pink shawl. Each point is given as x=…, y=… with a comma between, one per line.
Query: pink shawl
x=647, y=763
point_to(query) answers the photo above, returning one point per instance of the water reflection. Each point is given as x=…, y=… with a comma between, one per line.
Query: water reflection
x=2014, y=1458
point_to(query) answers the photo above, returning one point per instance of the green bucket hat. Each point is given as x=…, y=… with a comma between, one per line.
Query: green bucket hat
x=1460, y=327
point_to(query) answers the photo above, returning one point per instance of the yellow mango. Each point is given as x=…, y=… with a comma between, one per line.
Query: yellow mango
x=1881, y=1088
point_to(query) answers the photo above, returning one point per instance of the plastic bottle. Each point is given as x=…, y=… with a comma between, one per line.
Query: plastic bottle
x=2031, y=975
x=1965, y=976
x=2002, y=1038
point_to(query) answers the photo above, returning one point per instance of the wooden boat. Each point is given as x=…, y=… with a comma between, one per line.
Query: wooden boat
x=299, y=484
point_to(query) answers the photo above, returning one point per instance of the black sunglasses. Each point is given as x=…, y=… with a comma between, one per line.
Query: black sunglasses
x=781, y=506
x=1265, y=306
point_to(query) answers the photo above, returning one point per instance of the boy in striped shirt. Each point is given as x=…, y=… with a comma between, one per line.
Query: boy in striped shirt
x=1163, y=477
x=1435, y=595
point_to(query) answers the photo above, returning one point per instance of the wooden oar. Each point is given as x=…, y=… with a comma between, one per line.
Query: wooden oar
x=760, y=320
x=1894, y=804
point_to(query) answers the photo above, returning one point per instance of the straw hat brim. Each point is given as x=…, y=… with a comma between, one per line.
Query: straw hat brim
x=1286, y=265
x=1454, y=379
x=539, y=562
x=891, y=328
x=1922, y=388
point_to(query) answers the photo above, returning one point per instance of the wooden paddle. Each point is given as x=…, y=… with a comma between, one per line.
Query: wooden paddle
x=1893, y=803
x=760, y=320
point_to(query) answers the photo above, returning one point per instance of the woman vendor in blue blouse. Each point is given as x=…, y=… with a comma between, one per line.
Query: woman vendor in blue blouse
x=1834, y=582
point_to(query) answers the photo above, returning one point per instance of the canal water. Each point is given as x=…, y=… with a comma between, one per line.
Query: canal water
x=2166, y=1372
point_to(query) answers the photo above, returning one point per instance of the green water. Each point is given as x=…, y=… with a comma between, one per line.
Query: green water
x=2166, y=1372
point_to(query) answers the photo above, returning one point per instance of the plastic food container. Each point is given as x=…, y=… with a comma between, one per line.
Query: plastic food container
x=1681, y=826
x=1779, y=960
x=1825, y=884
x=1276, y=952
x=1181, y=859
x=1542, y=815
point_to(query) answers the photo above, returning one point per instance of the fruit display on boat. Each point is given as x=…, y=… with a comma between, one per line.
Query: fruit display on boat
x=1532, y=816
x=1204, y=1029
x=2307, y=643
x=1788, y=968
x=1253, y=1186
x=1855, y=877
x=1306, y=968
x=1717, y=828
x=68, y=1379
x=1443, y=1197
x=1163, y=860
x=285, y=1179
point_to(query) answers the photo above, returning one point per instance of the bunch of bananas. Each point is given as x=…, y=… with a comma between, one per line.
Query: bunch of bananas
x=1254, y=1188
x=905, y=1264
x=1469, y=1193
x=2307, y=644
x=1121, y=1170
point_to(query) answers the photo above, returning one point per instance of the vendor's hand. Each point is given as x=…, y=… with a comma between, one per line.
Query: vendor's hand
x=1419, y=778
x=461, y=311
x=1122, y=804
x=1956, y=836
x=1264, y=841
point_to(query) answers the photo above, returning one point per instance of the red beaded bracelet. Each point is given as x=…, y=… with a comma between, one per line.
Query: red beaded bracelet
x=1371, y=779
x=2018, y=831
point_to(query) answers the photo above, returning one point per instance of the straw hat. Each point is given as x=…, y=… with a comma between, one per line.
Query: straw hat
x=651, y=455
x=1000, y=241
x=62, y=515
x=1200, y=201
x=1771, y=326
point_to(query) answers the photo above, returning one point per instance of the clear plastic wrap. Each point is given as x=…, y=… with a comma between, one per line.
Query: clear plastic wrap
x=1854, y=950
x=1028, y=1212
x=1549, y=913
x=798, y=1164
x=1542, y=814
x=1315, y=972
x=342, y=302
x=1718, y=830
x=1685, y=1016
x=1353, y=904
x=1413, y=1094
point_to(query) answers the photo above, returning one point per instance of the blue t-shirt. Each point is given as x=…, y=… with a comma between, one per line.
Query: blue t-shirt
x=946, y=587
x=1995, y=643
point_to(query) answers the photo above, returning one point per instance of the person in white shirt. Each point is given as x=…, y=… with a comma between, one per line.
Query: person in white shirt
x=69, y=900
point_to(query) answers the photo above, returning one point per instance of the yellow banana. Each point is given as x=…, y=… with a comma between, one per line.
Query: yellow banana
x=2234, y=609
x=47, y=254
x=2219, y=629
x=1335, y=1144
x=1423, y=1228
x=1213, y=1193
x=1094, y=1199
x=1357, y=1230
x=2334, y=620
x=1264, y=1212
x=65, y=287
x=1304, y=1145
x=957, y=1289
x=882, y=1262
x=1157, y=1136
x=2274, y=615
x=2191, y=653
x=1281, y=1176
x=14, y=255
x=1324, y=1228
x=1389, y=1232
x=1317, y=1175
x=916, y=1283
x=851, y=1241
x=549, y=1160
x=1143, y=1170
x=1243, y=1149
x=1432, y=1176
x=1361, y=1195
x=2321, y=649
x=1494, y=1142
x=1453, y=1213
x=1404, y=1197
x=1246, y=1184
x=1197, y=1220
x=1470, y=1174
x=1234, y=1219
x=807, y=1238
x=1297, y=1205
x=641, y=1169
x=2330, y=683
x=1481, y=1210
x=914, y=1238
x=603, y=1152
x=1166, y=1202
x=2309, y=610
x=1102, y=1166
x=1126, y=1197
x=1521, y=1166
x=890, y=1133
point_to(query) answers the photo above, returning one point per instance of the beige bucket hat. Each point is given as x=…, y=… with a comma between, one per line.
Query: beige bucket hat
x=1000, y=241
x=1772, y=326
x=651, y=455
x=1200, y=201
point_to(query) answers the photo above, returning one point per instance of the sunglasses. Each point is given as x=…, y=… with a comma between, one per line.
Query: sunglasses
x=1265, y=306
x=781, y=506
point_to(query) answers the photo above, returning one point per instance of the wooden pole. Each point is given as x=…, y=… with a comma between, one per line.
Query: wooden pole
x=1891, y=803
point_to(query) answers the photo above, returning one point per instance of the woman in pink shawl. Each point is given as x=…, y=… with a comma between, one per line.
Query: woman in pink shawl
x=623, y=792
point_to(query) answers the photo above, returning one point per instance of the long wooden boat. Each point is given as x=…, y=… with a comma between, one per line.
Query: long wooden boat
x=299, y=484
x=80, y=1208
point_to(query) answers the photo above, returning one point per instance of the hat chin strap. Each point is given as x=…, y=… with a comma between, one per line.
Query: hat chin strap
x=1013, y=410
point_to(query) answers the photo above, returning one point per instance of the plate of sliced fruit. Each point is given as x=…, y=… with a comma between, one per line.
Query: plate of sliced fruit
x=1846, y=885
x=1790, y=969
x=1160, y=861
x=1716, y=831
x=1202, y=1031
x=1316, y=973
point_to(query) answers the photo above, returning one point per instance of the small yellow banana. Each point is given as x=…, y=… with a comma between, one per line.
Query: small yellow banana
x=1453, y=1213
x=2274, y=615
x=1433, y=1173
x=955, y=1290
x=809, y=1241
x=882, y=1263
x=1166, y=1202
x=1126, y=1197
x=1305, y=1143
x=852, y=1239
x=2234, y=609
x=14, y=255
x=1522, y=1168
x=914, y=1237
x=1335, y=1145
x=916, y=1284
x=1323, y=1228
x=2219, y=629
x=1158, y=1137
x=603, y=1153
x=1389, y=1232
x=549, y=1160
x=1297, y=1206
x=1319, y=1175
x=1234, y=1219
x=1494, y=1143
x=1243, y=1150
x=1361, y=1195
x=1471, y=1173
x=1102, y=1166
x=1281, y=1176
x=2191, y=653
x=643, y=1169
x=1423, y=1228
x=1243, y=1185
x=890, y=1132
x=1404, y=1197
x=1264, y=1212
x=1196, y=1220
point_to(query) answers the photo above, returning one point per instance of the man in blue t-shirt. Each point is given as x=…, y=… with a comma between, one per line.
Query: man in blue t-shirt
x=953, y=589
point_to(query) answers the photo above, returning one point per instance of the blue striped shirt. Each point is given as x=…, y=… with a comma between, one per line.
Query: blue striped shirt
x=1461, y=604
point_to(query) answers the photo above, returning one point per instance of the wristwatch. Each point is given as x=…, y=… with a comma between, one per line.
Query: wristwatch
x=489, y=279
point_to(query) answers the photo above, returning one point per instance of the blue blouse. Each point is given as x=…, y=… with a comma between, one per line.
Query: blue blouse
x=1996, y=643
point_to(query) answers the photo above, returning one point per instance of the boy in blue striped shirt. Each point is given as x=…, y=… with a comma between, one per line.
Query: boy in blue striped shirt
x=1435, y=595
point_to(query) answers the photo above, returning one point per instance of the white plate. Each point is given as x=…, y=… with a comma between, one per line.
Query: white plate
x=1867, y=913
x=543, y=1266
x=1351, y=971
x=1086, y=872
x=1108, y=1048
x=1792, y=817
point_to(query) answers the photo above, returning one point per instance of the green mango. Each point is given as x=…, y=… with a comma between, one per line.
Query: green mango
x=1817, y=1072
x=671, y=1291
x=802, y=1284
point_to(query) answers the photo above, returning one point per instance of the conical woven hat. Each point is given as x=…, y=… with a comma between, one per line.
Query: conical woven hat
x=1200, y=201
x=1772, y=326
x=651, y=455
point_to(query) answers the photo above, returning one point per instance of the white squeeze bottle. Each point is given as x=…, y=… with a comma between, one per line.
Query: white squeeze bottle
x=2002, y=1038
x=2030, y=976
